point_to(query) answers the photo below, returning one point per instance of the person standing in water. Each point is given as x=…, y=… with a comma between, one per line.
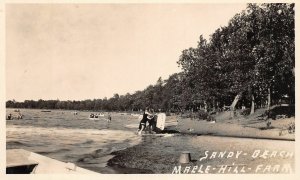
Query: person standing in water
x=109, y=117
x=144, y=120
x=147, y=117
x=9, y=117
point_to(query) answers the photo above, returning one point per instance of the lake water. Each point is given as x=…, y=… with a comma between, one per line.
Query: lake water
x=72, y=138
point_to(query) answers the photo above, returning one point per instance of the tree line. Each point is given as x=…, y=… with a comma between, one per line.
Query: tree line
x=250, y=62
x=159, y=97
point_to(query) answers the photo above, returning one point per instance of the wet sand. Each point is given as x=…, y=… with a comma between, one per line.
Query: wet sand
x=160, y=155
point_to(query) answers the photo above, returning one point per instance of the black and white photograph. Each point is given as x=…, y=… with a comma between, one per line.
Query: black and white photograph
x=149, y=88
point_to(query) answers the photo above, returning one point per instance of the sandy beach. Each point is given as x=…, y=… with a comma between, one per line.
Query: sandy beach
x=238, y=128
x=161, y=156
x=261, y=151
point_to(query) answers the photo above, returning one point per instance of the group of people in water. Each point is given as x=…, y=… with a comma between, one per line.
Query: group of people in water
x=92, y=115
x=11, y=117
x=148, y=118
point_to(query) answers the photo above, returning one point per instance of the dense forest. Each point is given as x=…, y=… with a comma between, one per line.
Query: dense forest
x=250, y=62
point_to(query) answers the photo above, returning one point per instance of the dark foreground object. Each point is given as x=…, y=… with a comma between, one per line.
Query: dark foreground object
x=25, y=169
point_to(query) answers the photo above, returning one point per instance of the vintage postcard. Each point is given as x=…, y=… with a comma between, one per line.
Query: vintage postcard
x=110, y=88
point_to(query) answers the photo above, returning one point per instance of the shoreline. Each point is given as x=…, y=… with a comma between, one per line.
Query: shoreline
x=156, y=154
x=161, y=156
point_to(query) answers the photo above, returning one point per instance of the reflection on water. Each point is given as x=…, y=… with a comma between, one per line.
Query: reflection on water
x=72, y=138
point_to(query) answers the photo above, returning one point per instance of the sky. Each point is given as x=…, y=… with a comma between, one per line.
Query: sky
x=91, y=51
